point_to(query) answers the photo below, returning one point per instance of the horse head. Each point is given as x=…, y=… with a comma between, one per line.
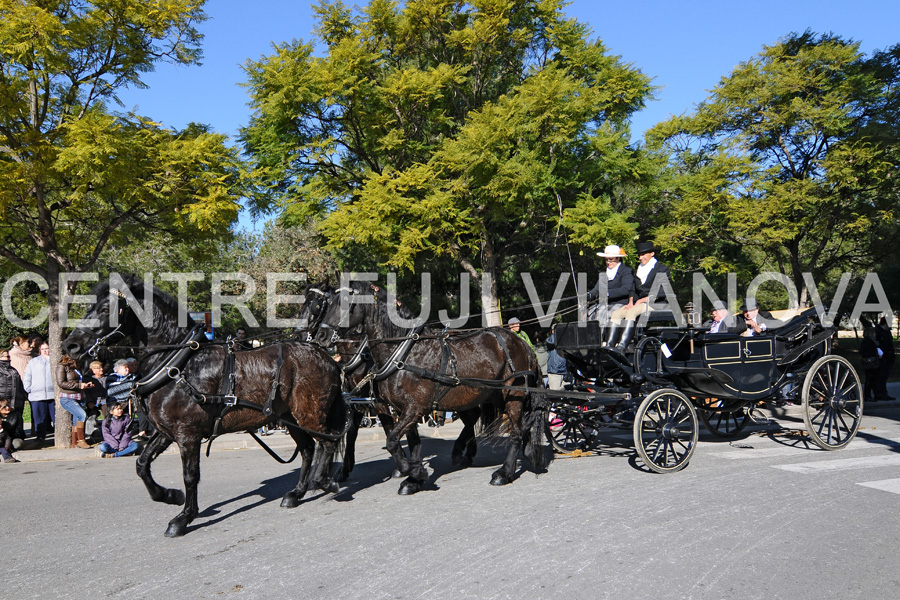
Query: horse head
x=317, y=299
x=113, y=318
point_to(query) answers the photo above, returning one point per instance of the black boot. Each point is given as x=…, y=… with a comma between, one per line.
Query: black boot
x=627, y=334
x=612, y=332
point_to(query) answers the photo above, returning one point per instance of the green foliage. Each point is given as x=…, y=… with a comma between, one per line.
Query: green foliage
x=444, y=130
x=786, y=166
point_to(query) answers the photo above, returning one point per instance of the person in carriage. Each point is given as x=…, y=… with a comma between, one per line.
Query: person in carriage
x=644, y=276
x=757, y=321
x=619, y=284
x=722, y=321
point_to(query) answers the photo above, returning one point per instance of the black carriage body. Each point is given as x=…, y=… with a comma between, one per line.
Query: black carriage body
x=719, y=376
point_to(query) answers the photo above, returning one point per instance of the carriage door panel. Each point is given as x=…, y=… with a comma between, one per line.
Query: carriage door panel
x=725, y=356
x=758, y=364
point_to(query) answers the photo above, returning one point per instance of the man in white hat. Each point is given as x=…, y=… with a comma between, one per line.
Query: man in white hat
x=619, y=283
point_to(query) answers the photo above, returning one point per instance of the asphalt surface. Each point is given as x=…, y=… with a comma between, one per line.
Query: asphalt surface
x=764, y=516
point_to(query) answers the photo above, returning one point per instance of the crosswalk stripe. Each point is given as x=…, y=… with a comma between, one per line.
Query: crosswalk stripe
x=754, y=452
x=844, y=464
x=885, y=485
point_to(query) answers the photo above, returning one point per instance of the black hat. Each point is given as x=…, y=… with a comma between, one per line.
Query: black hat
x=749, y=304
x=644, y=247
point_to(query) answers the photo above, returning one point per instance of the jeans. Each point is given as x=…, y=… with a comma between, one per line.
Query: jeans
x=107, y=449
x=43, y=413
x=78, y=414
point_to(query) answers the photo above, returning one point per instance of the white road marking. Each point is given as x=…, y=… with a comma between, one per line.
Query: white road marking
x=886, y=485
x=844, y=464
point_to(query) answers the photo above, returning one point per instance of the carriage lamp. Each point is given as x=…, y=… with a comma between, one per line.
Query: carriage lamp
x=691, y=317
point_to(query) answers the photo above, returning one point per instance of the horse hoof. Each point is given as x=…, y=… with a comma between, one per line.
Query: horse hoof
x=176, y=530
x=290, y=501
x=458, y=460
x=499, y=479
x=409, y=488
x=397, y=474
x=331, y=488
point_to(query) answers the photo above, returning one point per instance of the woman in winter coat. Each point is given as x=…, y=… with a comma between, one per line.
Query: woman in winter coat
x=68, y=378
x=20, y=354
x=38, y=382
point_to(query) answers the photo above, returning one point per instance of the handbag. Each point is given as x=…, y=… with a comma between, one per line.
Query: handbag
x=870, y=362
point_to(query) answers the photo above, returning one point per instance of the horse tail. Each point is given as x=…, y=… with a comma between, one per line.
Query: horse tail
x=338, y=419
x=534, y=418
x=488, y=421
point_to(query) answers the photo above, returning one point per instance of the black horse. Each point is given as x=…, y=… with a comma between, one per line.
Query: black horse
x=355, y=357
x=183, y=392
x=423, y=371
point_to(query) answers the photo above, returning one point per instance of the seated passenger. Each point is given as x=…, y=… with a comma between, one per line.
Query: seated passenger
x=757, y=321
x=722, y=322
x=619, y=283
x=640, y=302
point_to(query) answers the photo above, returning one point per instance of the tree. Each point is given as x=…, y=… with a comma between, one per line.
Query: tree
x=445, y=129
x=786, y=166
x=75, y=176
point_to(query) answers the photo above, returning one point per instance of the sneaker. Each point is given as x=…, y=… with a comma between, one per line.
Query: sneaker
x=11, y=459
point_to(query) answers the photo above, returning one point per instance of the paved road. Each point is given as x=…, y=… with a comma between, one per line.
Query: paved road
x=762, y=517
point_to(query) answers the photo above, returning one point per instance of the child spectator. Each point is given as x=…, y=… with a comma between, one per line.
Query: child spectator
x=8, y=442
x=118, y=384
x=116, y=439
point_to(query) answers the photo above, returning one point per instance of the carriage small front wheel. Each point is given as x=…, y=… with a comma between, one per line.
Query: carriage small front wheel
x=665, y=430
x=832, y=402
x=566, y=428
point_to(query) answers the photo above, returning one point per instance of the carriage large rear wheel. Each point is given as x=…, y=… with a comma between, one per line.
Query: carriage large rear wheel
x=665, y=430
x=566, y=428
x=832, y=402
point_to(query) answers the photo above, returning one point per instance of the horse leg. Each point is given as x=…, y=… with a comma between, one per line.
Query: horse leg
x=387, y=423
x=465, y=447
x=321, y=477
x=190, y=466
x=307, y=453
x=350, y=447
x=417, y=475
x=156, y=446
x=507, y=471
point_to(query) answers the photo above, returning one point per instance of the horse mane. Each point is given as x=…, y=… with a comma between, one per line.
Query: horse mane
x=165, y=307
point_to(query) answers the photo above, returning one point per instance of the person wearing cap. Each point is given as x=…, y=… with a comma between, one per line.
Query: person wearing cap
x=640, y=302
x=516, y=327
x=619, y=283
x=757, y=321
x=722, y=322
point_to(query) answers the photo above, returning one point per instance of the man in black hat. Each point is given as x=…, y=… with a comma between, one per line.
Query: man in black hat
x=644, y=276
x=757, y=321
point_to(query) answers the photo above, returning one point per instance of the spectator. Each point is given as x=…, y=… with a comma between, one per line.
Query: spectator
x=12, y=389
x=96, y=392
x=9, y=443
x=68, y=378
x=870, y=357
x=888, y=356
x=38, y=382
x=556, y=365
x=240, y=340
x=20, y=354
x=116, y=439
x=35, y=341
x=515, y=326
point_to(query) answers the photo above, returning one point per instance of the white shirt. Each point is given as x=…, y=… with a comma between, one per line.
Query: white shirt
x=644, y=270
x=611, y=273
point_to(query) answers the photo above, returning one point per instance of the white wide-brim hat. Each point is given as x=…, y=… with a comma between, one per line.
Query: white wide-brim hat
x=612, y=251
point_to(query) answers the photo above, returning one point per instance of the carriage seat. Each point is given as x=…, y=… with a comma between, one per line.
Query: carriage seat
x=785, y=315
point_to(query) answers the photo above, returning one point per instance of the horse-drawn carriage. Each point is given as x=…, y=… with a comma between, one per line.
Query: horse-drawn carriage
x=672, y=377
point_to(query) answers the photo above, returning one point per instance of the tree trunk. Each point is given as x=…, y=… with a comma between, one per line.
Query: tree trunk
x=63, y=424
x=487, y=278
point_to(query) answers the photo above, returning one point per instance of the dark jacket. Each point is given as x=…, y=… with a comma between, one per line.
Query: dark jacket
x=556, y=364
x=97, y=392
x=731, y=325
x=68, y=379
x=642, y=290
x=619, y=289
x=886, y=343
x=8, y=430
x=11, y=386
x=868, y=348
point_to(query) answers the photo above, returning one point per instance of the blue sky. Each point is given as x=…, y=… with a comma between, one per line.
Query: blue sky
x=686, y=46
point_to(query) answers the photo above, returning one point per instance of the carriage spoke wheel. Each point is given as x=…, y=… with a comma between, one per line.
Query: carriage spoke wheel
x=665, y=431
x=566, y=428
x=832, y=402
x=724, y=424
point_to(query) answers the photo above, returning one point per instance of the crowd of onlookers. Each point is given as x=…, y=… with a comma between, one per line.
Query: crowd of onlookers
x=103, y=412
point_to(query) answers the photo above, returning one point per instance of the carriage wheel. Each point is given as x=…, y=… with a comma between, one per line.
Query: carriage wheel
x=665, y=430
x=724, y=424
x=832, y=402
x=566, y=428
